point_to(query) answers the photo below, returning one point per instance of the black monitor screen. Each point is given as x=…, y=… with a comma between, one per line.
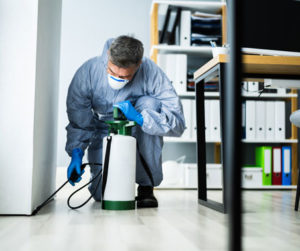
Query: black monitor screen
x=271, y=24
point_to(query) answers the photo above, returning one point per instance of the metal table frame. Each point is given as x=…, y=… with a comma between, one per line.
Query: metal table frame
x=201, y=145
x=218, y=70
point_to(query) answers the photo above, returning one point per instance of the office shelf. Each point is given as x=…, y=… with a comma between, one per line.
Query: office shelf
x=292, y=187
x=255, y=141
x=287, y=141
x=271, y=187
x=252, y=95
x=192, y=94
x=199, y=50
x=181, y=140
x=270, y=95
x=178, y=140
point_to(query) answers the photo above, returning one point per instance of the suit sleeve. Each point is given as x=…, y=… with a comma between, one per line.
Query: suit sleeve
x=169, y=121
x=81, y=127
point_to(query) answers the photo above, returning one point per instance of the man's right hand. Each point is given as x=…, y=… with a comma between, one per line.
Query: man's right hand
x=75, y=165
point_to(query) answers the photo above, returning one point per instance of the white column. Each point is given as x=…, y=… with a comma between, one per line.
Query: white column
x=29, y=64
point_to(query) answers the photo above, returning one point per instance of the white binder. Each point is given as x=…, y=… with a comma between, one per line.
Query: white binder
x=167, y=62
x=207, y=120
x=270, y=120
x=194, y=120
x=171, y=68
x=215, y=120
x=279, y=120
x=250, y=119
x=181, y=73
x=260, y=122
x=187, y=111
x=185, y=28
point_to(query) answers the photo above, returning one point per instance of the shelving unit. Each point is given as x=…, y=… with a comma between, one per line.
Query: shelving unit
x=205, y=52
x=205, y=6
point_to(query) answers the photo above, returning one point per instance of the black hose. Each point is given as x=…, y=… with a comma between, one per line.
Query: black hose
x=50, y=198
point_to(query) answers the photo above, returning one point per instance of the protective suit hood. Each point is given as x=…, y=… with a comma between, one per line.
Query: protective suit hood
x=106, y=46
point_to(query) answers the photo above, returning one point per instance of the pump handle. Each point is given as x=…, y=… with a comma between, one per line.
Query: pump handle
x=74, y=175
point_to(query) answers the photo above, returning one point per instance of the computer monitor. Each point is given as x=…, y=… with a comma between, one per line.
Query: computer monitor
x=271, y=24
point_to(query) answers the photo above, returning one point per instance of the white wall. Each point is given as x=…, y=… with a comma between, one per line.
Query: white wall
x=17, y=76
x=46, y=99
x=29, y=58
x=86, y=25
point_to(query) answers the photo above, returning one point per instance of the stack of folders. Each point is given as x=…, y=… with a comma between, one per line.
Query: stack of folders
x=186, y=28
x=175, y=67
x=205, y=28
x=276, y=164
x=212, y=120
x=168, y=24
x=263, y=120
x=252, y=88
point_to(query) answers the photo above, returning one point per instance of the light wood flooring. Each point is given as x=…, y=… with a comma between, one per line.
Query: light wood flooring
x=269, y=223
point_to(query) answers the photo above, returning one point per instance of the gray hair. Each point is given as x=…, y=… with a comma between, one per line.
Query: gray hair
x=126, y=51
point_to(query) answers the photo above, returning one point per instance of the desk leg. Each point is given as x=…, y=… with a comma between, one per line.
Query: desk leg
x=201, y=146
x=232, y=126
x=222, y=119
x=201, y=151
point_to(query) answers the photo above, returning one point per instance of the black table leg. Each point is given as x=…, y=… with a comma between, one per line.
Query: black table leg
x=201, y=144
x=232, y=126
x=297, y=193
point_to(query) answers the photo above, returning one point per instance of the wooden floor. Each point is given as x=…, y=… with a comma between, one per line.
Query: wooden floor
x=269, y=223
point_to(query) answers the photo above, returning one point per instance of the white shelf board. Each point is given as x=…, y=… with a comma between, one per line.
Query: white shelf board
x=186, y=94
x=271, y=95
x=181, y=140
x=211, y=94
x=201, y=50
x=264, y=95
x=192, y=94
x=178, y=140
x=244, y=188
x=269, y=141
x=205, y=6
x=272, y=187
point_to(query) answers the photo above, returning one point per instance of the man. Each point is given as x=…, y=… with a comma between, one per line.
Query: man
x=121, y=77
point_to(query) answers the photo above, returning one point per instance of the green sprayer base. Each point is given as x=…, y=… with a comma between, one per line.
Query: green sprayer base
x=118, y=205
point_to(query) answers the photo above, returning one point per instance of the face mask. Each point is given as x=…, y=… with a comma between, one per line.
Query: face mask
x=116, y=83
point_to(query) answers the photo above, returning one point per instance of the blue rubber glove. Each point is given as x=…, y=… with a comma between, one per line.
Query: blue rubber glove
x=75, y=164
x=129, y=111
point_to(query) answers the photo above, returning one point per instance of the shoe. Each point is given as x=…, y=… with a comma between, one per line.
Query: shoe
x=145, y=198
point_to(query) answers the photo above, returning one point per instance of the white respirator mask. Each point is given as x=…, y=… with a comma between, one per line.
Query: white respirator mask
x=116, y=83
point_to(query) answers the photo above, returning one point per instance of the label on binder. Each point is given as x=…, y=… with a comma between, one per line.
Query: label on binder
x=287, y=163
x=277, y=160
x=267, y=161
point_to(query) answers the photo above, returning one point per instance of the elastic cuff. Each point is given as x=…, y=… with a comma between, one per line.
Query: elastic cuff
x=77, y=152
x=140, y=120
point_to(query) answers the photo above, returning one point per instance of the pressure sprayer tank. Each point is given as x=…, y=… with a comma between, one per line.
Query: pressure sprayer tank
x=119, y=192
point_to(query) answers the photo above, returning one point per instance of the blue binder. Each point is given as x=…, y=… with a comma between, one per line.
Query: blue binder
x=286, y=165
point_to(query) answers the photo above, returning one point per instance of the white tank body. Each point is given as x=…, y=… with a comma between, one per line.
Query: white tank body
x=120, y=184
